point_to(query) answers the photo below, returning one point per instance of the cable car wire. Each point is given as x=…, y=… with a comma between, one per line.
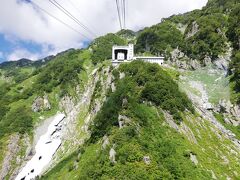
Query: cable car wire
x=57, y=19
x=66, y=12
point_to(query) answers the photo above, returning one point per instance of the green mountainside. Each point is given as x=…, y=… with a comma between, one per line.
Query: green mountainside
x=138, y=120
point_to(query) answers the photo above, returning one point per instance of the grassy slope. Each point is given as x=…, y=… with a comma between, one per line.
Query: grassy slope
x=223, y=160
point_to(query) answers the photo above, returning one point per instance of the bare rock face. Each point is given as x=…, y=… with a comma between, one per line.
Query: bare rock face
x=112, y=155
x=67, y=104
x=123, y=121
x=122, y=75
x=179, y=59
x=46, y=103
x=236, y=111
x=194, y=30
x=105, y=142
x=41, y=104
x=224, y=106
x=208, y=106
x=125, y=103
x=113, y=87
x=37, y=104
x=223, y=61
x=229, y=110
x=194, y=158
x=147, y=160
x=181, y=27
x=12, y=150
x=207, y=61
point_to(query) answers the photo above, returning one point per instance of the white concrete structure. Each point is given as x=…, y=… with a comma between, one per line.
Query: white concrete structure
x=45, y=148
x=122, y=54
x=158, y=60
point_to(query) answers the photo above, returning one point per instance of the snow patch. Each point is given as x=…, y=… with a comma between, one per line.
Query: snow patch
x=45, y=148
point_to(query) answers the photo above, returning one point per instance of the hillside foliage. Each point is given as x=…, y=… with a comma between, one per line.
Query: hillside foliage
x=62, y=71
x=144, y=135
x=159, y=39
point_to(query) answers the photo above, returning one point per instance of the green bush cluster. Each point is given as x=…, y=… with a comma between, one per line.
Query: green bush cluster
x=159, y=88
x=144, y=82
x=5, y=100
x=221, y=5
x=16, y=74
x=210, y=40
x=126, y=34
x=17, y=120
x=13, y=119
x=235, y=78
x=233, y=34
x=62, y=71
x=185, y=18
x=159, y=39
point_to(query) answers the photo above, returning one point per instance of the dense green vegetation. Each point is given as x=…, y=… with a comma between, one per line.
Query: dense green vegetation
x=143, y=82
x=234, y=35
x=17, y=120
x=221, y=5
x=159, y=39
x=16, y=97
x=144, y=135
x=102, y=47
x=63, y=72
x=210, y=40
x=127, y=34
x=13, y=119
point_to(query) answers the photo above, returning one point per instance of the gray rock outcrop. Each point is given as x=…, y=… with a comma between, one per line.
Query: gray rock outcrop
x=193, y=158
x=41, y=104
x=231, y=113
x=194, y=29
x=179, y=59
x=222, y=62
x=12, y=150
x=105, y=142
x=147, y=160
x=112, y=155
x=123, y=121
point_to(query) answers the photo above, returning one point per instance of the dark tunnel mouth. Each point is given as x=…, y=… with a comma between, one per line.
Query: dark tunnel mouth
x=121, y=51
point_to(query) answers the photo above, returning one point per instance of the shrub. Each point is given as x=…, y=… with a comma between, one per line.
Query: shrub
x=159, y=39
x=17, y=120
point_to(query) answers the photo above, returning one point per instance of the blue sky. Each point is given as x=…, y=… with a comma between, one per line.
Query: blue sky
x=8, y=46
x=28, y=32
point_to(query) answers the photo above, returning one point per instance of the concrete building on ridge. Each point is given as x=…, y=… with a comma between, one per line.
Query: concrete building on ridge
x=121, y=54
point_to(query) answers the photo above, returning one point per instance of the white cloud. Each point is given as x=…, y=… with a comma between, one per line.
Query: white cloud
x=21, y=21
x=1, y=55
x=20, y=53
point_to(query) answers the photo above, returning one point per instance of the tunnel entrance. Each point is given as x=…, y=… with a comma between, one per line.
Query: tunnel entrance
x=121, y=54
